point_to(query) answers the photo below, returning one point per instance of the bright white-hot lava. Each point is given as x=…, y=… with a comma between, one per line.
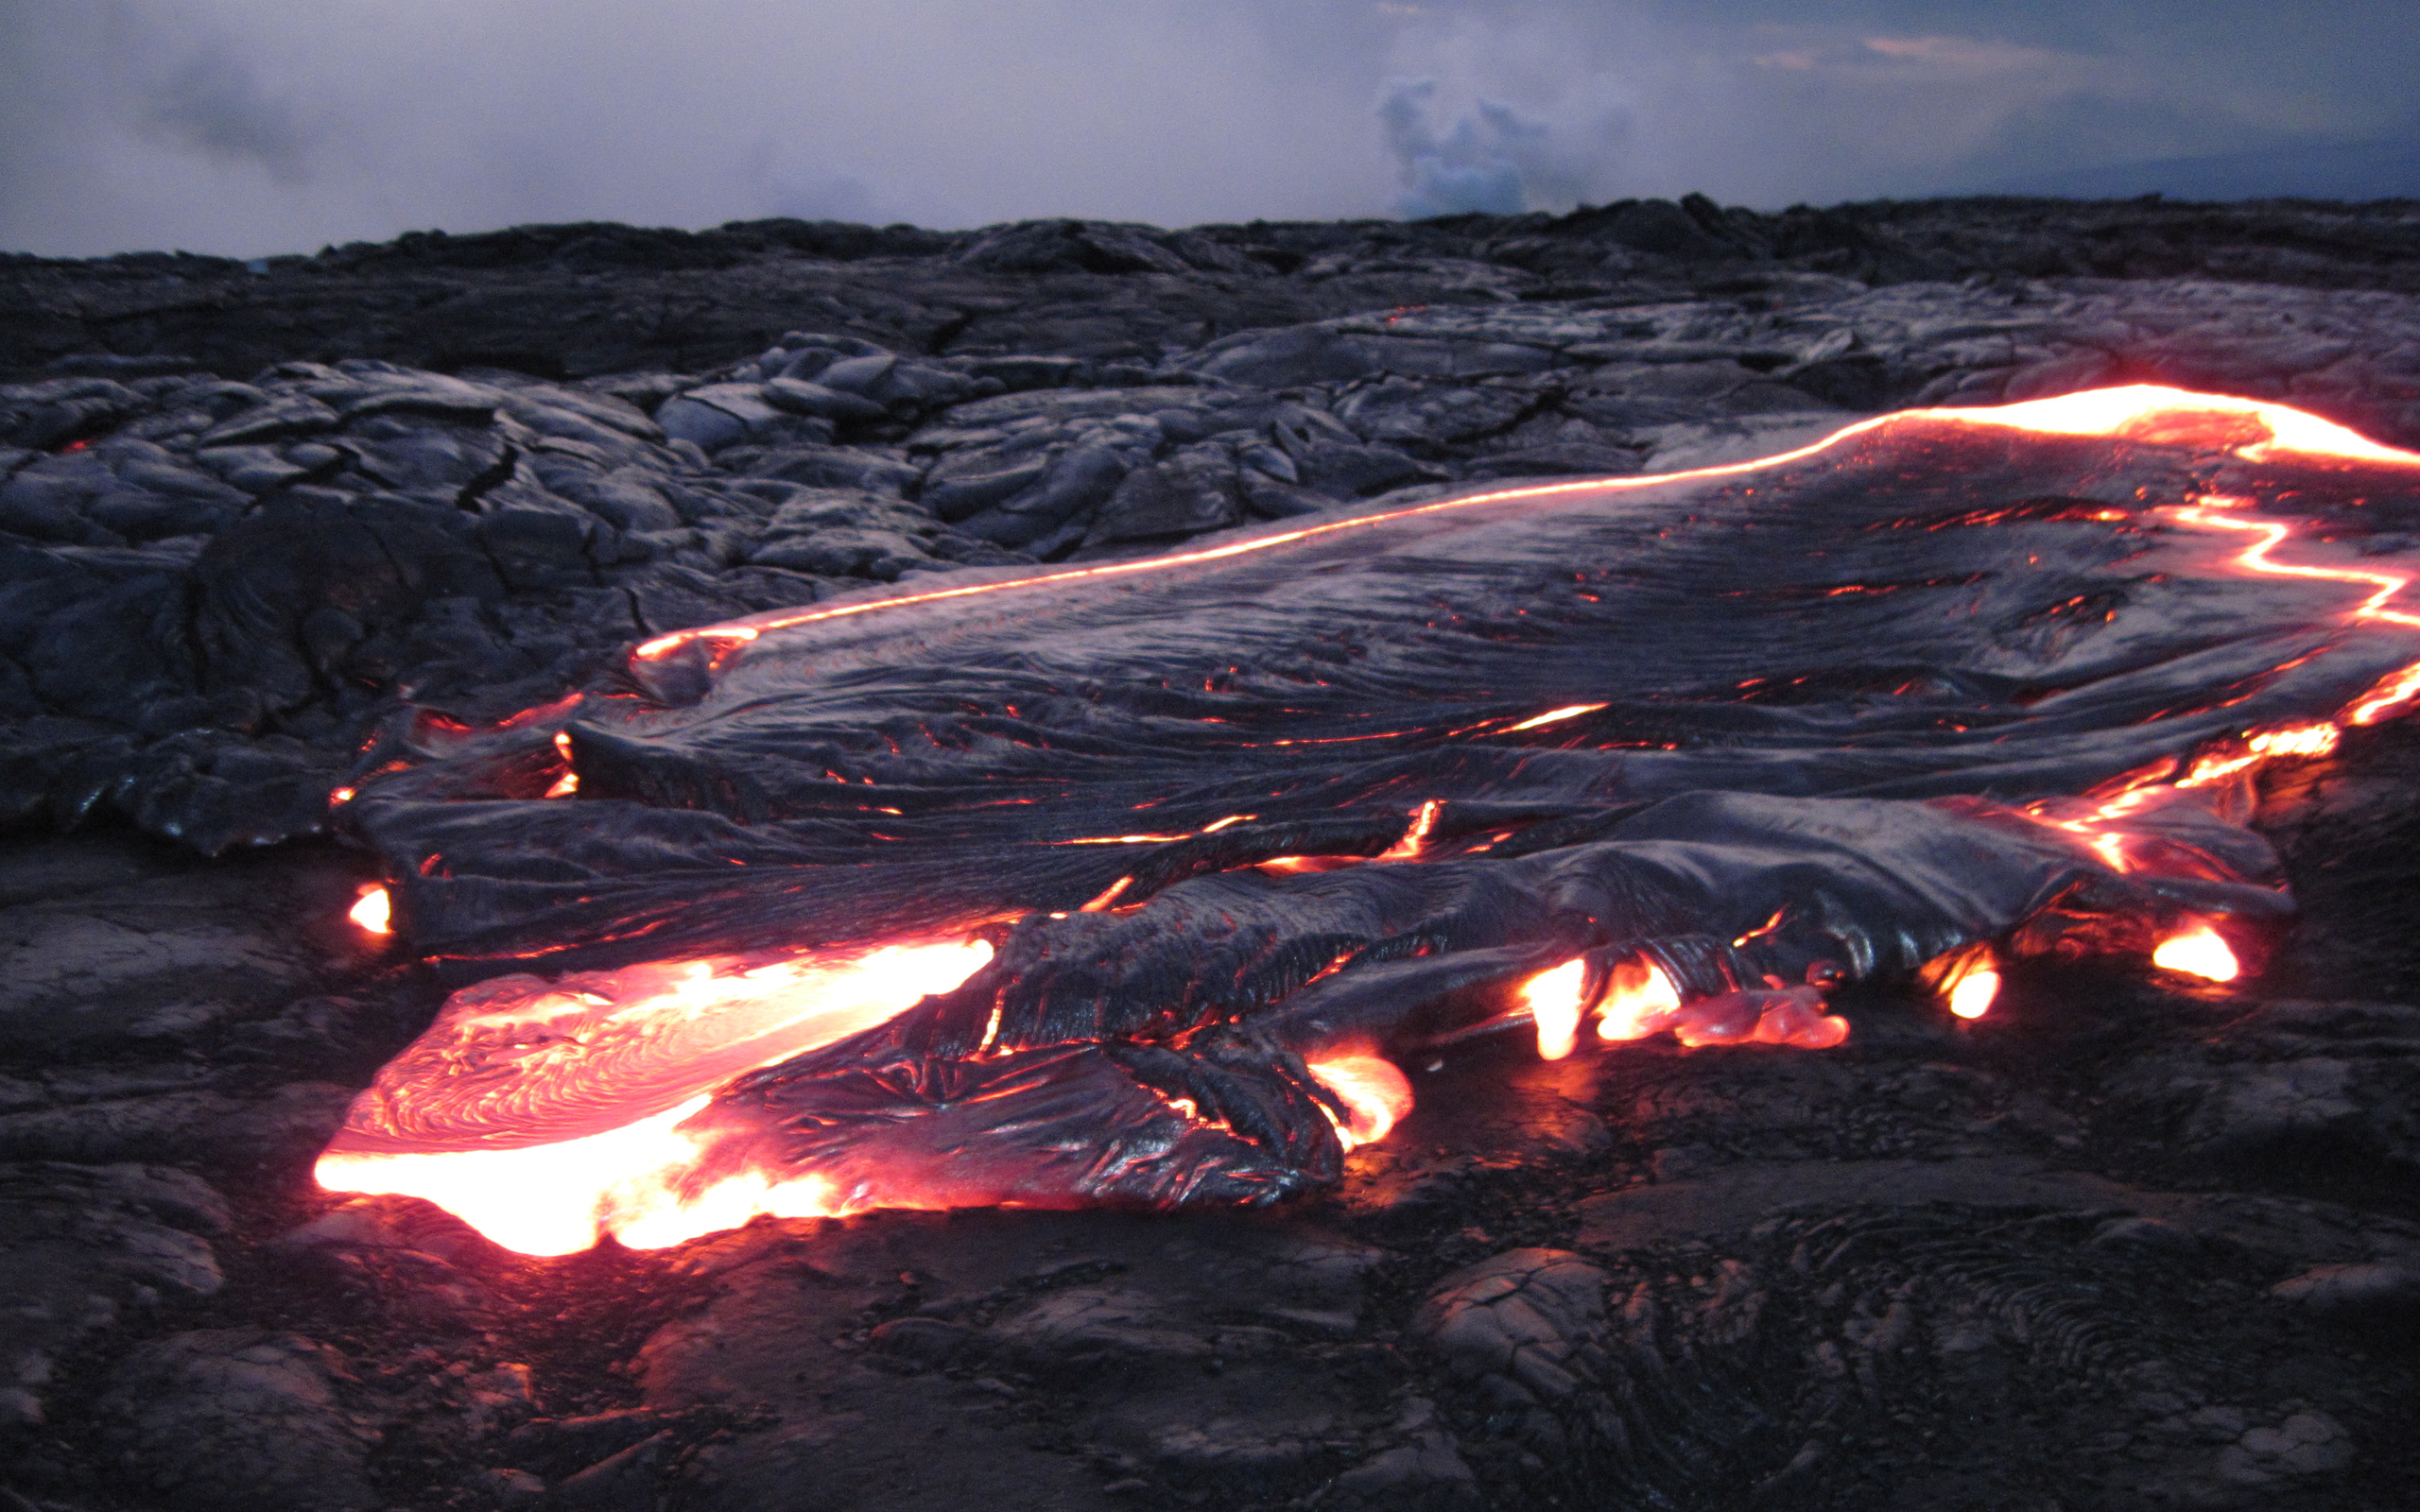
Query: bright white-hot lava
x=1553, y=1001
x=545, y=1114
x=2197, y=951
x=373, y=912
x=1973, y=994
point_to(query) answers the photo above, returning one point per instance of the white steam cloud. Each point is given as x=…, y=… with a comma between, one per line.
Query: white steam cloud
x=1493, y=159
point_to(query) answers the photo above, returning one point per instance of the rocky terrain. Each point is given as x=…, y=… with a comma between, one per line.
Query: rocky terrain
x=2123, y=1243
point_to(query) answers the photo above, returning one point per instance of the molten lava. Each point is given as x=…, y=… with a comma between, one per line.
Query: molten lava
x=1973, y=994
x=372, y=911
x=1777, y=1016
x=515, y=1111
x=1639, y=1001
x=1554, y=717
x=1375, y=1094
x=1767, y=689
x=2198, y=953
x=1553, y=999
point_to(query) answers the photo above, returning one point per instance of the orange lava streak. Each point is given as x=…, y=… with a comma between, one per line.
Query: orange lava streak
x=2392, y=692
x=1555, y=716
x=2316, y=739
x=539, y=712
x=1415, y=839
x=1374, y=1093
x=1109, y=896
x=2110, y=844
x=1762, y=929
x=568, y=784
x=1411, y=848
x=2254, y=558
x=1212, y=828
x=2301, y=739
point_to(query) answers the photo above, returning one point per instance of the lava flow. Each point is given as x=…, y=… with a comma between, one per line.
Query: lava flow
x=1243, y=824
x=545, y=1114
x=1374, y=1093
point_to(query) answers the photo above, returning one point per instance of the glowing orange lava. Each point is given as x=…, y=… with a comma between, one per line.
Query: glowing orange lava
x=1553, y=1001
x=1973, y=996
x=1779, y=1016
x=1212, y=828
x=2390, y=694
x=568, y=784
x=1639, y=1001
x=546, y=1113
x=1108, y=896
x=2198, y=953
x=1798, y=1019
x=1415, y=839
x=2302, y=740
x=1376, y=1095
x=374, y=911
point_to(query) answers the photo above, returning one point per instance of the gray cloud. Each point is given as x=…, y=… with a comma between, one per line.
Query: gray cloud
x=250, y=127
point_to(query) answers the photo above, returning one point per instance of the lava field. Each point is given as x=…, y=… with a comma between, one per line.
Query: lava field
x=1662, y=857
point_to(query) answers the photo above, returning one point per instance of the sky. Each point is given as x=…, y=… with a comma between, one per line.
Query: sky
x=252, y=128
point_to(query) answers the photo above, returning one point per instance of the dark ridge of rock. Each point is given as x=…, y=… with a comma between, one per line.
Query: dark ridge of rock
x=566, y=301
x=86, y=1244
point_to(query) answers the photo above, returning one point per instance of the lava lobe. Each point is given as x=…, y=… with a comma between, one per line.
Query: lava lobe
x=1129, y=881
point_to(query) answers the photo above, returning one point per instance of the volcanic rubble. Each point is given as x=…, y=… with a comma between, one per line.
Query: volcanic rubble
x=2126, y=1242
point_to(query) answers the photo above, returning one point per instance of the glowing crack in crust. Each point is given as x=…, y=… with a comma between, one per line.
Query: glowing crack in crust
x=1132, y=881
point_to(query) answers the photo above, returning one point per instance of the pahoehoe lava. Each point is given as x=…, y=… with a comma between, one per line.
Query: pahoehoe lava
x=976, y=579
x=1949, y=681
